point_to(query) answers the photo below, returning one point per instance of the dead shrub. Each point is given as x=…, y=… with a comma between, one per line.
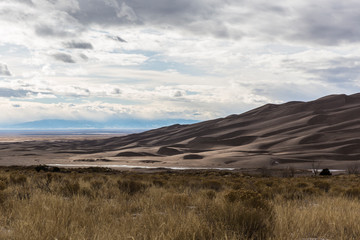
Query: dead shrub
x=322, y=185
x=44, y=182
x=212, y=184
x=70, y=188
x=3, y=185
x=210, y=194
x=131, y=187
x=302, y=185
x=353, y=193
x=246, y=222
x=248, y=197
x=158, y=183
x=176, y=199
x=18, y=179
x=96, y=185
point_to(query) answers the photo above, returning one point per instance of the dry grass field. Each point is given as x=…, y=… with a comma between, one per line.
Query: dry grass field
x=107, y=204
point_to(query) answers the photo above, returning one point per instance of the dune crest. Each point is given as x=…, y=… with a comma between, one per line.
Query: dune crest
x=325, y=130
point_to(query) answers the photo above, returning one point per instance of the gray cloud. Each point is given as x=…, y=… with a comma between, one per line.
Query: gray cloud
x=116, y=91
x=196, y=16
x=117, y=38
x=84, y=57
x=49, y=31
x=63, y=57
x=328, y=22
x=79, y=45
x=338, y=70
x=4, y=70
x=106, y=12
x=27, y=2
x=324, y=22
x=178, y=94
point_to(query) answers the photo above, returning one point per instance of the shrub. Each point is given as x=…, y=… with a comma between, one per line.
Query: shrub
x=3, y=185
x=3, y=197
x=246, y=222
x=44, y=182
x=131, y=187
x=325, y=172
x=212, y=184
x=210, y=194
x=158, y=183
x=96, y=185
x=353, y=193
x=176, y=200
x=248, y=197
x=18, y=179
x=302, y=185
x=322, y=185
x=69, y=189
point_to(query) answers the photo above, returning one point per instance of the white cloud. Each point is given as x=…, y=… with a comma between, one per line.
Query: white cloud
x=185, y=58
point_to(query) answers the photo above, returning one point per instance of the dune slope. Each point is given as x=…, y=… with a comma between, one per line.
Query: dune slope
x=326, y=130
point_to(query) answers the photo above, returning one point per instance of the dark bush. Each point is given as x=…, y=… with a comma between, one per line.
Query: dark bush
x=41, y=168
x=325, y=172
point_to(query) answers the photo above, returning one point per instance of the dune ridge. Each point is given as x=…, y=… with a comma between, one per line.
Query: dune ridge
x=325, y=130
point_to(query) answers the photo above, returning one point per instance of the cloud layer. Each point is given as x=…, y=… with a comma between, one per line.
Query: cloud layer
x=195, y=59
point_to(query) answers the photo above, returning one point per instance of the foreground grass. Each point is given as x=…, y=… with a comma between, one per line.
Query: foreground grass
x=88, y=204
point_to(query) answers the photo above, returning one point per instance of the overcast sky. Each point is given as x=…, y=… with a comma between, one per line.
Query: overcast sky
x=189, y=59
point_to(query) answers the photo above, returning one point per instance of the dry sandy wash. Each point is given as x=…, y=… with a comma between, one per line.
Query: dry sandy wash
x=326, y=131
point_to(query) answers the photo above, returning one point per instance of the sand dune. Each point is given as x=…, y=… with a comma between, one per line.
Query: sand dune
x=326, y=130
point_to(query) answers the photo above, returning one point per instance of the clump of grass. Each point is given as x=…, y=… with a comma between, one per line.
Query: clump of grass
x=131, y=187
x=213, y=184
x=96, y=185
x=176, y=200
x=210, y=194
x=325, y=186
x=245, y=221
x=69, y=188
x=18, y=179
x=353, y=192
x=3, y=185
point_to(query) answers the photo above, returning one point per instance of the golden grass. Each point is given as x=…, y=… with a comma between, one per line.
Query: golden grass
x=99, y=204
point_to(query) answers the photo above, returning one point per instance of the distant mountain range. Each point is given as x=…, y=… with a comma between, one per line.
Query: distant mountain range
x=53, y=124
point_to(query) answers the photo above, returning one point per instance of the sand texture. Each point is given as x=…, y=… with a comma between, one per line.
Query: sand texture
x=326, y=131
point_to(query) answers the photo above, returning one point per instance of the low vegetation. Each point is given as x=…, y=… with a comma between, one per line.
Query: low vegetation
x=107, y=204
